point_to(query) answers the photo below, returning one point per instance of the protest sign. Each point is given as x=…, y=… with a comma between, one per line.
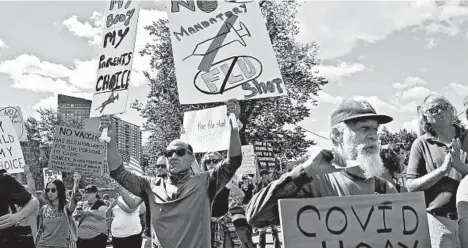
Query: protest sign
x=207, y=130
x=11, y=156
x=366, y=221
x=77, y=150
x=249, y=165
x=264, y=152
x=222, y=50
x=16, y=117
x=116, y=57
x=50, y=175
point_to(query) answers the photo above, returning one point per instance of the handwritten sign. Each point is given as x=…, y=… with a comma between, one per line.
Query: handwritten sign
x=16, y=118
x=392, y=220
x=207, y=130
x=77, y=150
x=249, y=165
x=221, y=51
x=50, y=175
x=264, y=152
x=11, y=156
x=116, y=58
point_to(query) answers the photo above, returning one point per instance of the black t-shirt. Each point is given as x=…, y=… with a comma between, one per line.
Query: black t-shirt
x=248, y=191
x=221, y=203
x=12, y=192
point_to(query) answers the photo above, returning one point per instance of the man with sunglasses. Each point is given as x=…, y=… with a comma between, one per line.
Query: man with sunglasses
x=161, y=167
x=180, y=206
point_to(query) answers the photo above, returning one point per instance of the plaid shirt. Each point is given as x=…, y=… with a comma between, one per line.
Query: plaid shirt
x=219, y=228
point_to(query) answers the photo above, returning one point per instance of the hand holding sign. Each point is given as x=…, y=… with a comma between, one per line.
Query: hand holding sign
x=322, y=164
x=233, y=111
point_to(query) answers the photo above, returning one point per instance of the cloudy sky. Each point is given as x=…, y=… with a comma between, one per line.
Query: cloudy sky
x=390, y=53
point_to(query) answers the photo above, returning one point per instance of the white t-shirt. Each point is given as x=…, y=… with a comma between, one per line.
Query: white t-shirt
x=125, y=224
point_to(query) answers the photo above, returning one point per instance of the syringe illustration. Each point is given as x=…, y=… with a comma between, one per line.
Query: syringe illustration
x=203, y=48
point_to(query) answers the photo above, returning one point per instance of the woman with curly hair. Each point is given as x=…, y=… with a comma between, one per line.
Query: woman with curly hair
x=394, y=164
x=435, y=167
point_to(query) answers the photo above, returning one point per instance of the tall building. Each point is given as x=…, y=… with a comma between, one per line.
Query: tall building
x=73, y=107
x=128, y=134
x=128, y=138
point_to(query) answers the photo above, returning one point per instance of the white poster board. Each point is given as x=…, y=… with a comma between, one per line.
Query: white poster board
x=116, y=58
x=222, y=51
x=50, y=175
x=207, y=130
x=249, y=165
x=16, y=117
x=11, y=155
x=391, y=220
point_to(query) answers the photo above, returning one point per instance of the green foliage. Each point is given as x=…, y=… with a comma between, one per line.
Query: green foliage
x=263, y=119
x=401, y=137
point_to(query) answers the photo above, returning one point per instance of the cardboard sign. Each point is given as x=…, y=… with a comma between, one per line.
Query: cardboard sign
x=77, y=150
x=264, y=152
x=16, y=117
x=11, y=156
x=249, y=165
x=50, y=175
x=116, y=58
x=222, y=50
x=207, y=130
x=392, y=220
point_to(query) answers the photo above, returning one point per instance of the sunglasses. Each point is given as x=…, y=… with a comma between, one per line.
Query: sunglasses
x=179, y=152
x=53, y=190
x=212, y=161
x=435, y=109
x=161, y=166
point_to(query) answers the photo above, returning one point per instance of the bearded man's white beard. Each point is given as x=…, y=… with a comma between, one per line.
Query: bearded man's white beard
x=370, y=162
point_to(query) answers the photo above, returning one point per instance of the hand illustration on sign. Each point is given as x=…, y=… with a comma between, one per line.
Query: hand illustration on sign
x=204, y=48
x=110, y=100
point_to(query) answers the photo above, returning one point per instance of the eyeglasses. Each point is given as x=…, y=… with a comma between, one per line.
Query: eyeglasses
x=179, y=152
x=161, y=166
x=53, y=190
x=212, y=161
x=435, y=109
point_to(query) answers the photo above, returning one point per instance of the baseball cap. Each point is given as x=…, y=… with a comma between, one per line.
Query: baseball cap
x=90, y=189
x=352, y=109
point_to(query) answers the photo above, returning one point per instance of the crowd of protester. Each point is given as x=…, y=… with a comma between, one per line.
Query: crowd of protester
x=174, y=206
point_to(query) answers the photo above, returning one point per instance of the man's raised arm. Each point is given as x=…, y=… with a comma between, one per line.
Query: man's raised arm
x=262, y=209
x=223, y=173
x=133, y=183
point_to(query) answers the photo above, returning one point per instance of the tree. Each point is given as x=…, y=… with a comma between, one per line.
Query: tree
x=402, y=137
x=263, y=119
x=38, y=147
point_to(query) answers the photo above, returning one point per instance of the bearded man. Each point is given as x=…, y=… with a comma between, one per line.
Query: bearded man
x=354, y=166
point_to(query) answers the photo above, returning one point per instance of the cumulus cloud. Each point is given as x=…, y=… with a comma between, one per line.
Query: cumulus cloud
x=2, y=44
x=319, y=23
x=334, y=73
x=29, y=72
x=411, y=125
x=92, y=31
x=409, y=82
x=325, y=97
x=459, y=89
x=379, y=105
